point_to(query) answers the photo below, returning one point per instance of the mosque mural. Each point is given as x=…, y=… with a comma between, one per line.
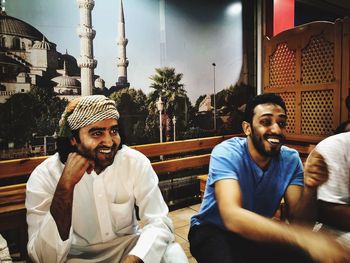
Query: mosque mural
x=114, y=44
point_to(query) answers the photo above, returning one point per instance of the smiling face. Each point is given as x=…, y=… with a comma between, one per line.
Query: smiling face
x=266, y=132
x=99, y=142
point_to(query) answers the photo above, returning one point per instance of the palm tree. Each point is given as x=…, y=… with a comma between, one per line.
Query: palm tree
x=166, y=84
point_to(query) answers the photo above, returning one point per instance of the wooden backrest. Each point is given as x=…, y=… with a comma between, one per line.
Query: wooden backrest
x=309, y=68
x=19, y=167
x=13, y=194
x=23, y=167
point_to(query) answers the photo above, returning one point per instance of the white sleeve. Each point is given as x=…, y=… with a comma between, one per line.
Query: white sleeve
x=335, y=151
x=45, y=244
x=157, y=232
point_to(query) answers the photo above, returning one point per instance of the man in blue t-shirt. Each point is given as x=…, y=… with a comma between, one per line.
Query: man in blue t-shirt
x=247, y=179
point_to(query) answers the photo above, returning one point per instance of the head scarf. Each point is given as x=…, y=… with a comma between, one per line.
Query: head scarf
x=83, y=111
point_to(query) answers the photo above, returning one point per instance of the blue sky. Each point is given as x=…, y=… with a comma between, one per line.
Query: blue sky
x=198, y=33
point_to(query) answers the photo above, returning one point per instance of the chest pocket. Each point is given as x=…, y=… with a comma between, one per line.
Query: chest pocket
x=122, y=214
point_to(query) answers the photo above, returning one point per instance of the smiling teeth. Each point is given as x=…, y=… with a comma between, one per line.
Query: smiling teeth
x=105, y=151
x=273, y=140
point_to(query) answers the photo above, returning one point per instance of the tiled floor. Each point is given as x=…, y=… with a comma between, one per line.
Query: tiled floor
x=181, y=220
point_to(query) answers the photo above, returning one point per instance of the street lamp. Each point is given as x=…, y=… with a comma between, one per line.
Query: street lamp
x=160, y=107
x=214, y=65
x=174, y=123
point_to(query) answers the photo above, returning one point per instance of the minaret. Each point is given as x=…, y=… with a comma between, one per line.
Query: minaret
x=86, y=62
x=122, y=60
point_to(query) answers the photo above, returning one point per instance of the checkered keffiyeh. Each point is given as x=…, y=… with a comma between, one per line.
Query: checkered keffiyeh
x=86, y=110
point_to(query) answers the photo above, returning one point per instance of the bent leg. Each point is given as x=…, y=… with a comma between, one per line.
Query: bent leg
x=113, y=251
x=276, y=253
x=210, y=244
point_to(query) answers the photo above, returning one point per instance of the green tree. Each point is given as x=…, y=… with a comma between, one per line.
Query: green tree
x=133, y=112
x=49, y=108
x=18, y=119
x=198, y=102
x=23, y=114
x=234, y=99
x=229, y=102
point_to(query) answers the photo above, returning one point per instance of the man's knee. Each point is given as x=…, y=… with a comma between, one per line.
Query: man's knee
x=209, y=243
x=174, y=254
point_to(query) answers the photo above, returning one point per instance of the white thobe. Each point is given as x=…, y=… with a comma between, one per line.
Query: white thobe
x=336, y=151
x=103, y=211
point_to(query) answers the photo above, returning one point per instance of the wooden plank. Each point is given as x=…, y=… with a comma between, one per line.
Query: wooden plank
x=12, y=194
x=181, y=163
x=12, y=188
x=19, y=167
x=10, y=209
x=156, y=149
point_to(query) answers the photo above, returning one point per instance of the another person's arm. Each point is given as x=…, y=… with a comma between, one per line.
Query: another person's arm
x=301, y=201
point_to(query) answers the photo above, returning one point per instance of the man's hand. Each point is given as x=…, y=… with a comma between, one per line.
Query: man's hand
x=316, y=171
x=74, y=169
x=325, y=249
x=132, y=259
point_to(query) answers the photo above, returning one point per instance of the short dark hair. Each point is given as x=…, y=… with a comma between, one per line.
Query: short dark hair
x=265, y=98
x=341, y=127
x=64, y=147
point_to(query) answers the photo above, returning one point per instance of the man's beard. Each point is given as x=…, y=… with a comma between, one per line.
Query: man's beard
x=259, y=144
x=100, y=163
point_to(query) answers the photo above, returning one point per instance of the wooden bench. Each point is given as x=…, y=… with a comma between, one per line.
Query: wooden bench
x=12, y=196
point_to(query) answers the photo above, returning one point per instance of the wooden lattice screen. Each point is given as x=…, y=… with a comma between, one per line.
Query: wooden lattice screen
x=307, y=66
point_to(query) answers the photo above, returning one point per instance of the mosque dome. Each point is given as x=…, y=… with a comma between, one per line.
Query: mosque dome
x=12, y=26
x=71, y=64
x=66, y=82
x=99, y=83
x=44, y=44
x=23, y=77
x=22, y=74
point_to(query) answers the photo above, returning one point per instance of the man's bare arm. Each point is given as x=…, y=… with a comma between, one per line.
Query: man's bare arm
x=301, y=204
x=255, y=227
x=302, y=201
x=62, y=202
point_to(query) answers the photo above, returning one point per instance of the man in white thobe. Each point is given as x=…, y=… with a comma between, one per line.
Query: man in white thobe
x=80, y=201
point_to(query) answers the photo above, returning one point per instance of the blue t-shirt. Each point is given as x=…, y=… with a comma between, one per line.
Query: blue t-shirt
x=262, y=191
